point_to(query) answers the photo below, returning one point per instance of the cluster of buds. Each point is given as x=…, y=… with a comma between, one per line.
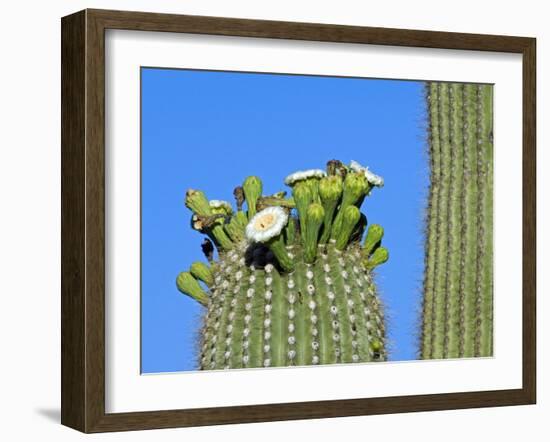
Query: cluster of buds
x=324, y=209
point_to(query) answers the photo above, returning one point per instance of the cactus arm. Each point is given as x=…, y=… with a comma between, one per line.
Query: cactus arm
x=457, y=305
x=486, y=245
x=440, y=298
x=470, y=152
x=453, y=216
x=428, y=305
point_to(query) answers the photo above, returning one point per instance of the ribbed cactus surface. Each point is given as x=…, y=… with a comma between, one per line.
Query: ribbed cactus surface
x=458, y=282
x=293, y=283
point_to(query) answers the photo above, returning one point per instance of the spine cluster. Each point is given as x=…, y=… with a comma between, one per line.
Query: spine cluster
x=458, y=292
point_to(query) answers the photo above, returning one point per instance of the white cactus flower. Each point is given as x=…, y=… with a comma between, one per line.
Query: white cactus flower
x=266, y=224
x=220, y=204
x=372, y=178
x=301, y=175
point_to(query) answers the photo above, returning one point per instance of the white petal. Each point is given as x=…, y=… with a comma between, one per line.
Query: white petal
x=274, y=219
x=303, y=175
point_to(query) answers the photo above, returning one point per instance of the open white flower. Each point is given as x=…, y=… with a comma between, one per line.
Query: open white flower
x=223, y=205
x=372, y=178
x=301, y=175
x=266, y=224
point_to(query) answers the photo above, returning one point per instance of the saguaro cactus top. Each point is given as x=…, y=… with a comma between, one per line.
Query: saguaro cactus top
x=293, y=285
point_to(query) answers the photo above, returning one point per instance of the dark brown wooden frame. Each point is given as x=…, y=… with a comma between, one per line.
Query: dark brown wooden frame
x=83, y=216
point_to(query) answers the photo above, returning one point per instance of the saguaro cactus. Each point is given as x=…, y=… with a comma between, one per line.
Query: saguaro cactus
x=458, y=289
x=293, y=285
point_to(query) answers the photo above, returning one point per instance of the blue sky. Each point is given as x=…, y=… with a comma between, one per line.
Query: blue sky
x=209, y=130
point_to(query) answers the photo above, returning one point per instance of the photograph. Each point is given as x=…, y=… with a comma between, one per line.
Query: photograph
x=300, y=220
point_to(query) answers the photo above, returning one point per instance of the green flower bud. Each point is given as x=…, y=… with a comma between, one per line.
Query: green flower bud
x=330, y=188
x=189, y=286
x=330, y=191
x=373, y=238
x=314, y=219
x=201, y=271
x=351, y=215
x=302, y=197
x=380, y=256
x=355, y=186
x=252, y=187
x=220, y=207
x=197, y=202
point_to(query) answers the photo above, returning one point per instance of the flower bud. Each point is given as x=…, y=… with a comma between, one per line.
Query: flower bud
x=189, y=286
x=201, y=271
x=380, y=256
x=197, y=202
x=351, y=215
x=252, y=188
x=373, y=238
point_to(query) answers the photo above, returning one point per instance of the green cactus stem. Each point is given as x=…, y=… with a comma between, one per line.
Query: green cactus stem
x=457, y=318
x=281, y=293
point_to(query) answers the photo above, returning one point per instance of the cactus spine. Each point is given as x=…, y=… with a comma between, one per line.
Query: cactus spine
x=458, y=291
x=291, y=286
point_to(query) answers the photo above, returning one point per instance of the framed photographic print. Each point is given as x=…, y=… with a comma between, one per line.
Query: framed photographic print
x=270, y=220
